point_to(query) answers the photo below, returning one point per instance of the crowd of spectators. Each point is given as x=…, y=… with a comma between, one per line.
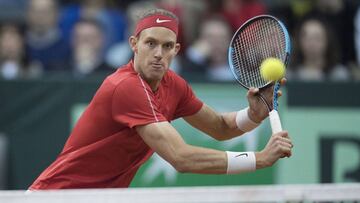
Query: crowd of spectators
x=86, y=37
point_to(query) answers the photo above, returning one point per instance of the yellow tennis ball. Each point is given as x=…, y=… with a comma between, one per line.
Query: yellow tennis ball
x=272, y=69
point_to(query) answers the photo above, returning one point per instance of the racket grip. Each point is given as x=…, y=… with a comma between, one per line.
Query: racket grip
x=275, y=121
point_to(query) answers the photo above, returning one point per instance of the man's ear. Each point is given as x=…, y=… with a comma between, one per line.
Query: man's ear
x=133, y=43
x=177, y=48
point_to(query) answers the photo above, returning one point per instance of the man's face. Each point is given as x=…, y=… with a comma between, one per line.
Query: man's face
x=154, y=49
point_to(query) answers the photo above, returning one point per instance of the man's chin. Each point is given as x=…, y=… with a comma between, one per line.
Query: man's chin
x=158, y=76
x=153, y=76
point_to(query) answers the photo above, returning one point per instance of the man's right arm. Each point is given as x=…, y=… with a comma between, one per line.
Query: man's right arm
x=167, y=142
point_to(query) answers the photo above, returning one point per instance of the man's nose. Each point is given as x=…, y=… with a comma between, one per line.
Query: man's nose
x=158, y=52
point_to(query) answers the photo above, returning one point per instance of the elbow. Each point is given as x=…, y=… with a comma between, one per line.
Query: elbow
x=181, y=169
x=182, y=162
x=181, y=166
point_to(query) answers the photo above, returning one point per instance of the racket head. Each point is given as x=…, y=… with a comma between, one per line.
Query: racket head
x=257, y=39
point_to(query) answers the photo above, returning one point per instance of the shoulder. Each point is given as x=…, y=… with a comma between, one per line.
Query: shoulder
x=123, y=74
x=120, y=81
x=174, y=79
x=124, y=80
x=128, y=83
x=178, y=84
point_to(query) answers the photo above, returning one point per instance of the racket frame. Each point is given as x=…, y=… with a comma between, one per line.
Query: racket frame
x=273, y=113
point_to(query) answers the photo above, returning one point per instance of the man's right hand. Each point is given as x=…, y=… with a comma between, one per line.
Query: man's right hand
x=278, y=146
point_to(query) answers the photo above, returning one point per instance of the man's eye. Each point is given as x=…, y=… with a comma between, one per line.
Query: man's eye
x=168, y=46
x=151, y=44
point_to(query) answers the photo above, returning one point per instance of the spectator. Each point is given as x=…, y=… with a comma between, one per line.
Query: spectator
x=44, y=40
x=237, y=12
x=209, y=52
x=316, y=53
x=113, y=21
x=340, y=14
x=87, y=47
x=357, y=37
x=120, y=53
x=12, y=10
x=290, y=12
x=13, y=61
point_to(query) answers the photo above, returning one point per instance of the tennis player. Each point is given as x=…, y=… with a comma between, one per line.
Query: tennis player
x=129, y=119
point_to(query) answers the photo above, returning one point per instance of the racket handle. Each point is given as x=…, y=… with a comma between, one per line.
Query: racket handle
x=275, y=121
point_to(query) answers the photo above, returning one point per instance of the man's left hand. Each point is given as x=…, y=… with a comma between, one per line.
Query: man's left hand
x=257, y=109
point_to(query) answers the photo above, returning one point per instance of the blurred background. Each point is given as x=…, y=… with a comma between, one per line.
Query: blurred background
x=55, y=54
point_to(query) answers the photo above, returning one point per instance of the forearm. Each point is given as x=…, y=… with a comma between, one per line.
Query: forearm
x=222, y=126
x=218, y=126
x=166, y=141
x=208, y=161
x=193, y=159
x=237, y=123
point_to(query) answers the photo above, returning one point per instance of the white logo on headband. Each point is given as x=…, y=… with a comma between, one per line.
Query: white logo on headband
x=162, y=21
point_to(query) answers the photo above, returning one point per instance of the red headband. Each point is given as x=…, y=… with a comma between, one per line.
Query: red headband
x=157, y=21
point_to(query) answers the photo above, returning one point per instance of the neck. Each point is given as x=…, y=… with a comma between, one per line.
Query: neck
x=154, y=84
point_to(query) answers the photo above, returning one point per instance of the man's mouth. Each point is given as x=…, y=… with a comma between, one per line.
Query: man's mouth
x=157, y=65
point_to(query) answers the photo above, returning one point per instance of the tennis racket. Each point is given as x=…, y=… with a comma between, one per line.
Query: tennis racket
x=257, y=39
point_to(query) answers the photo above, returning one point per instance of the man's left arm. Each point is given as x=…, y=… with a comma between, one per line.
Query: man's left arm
x=218, y=126
x=229, y=125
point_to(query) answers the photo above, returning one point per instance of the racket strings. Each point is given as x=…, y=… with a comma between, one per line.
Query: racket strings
x=259, y=40
x=248, y=64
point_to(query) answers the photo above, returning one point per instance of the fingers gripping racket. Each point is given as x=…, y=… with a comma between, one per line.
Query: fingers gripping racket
x=256, y=40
